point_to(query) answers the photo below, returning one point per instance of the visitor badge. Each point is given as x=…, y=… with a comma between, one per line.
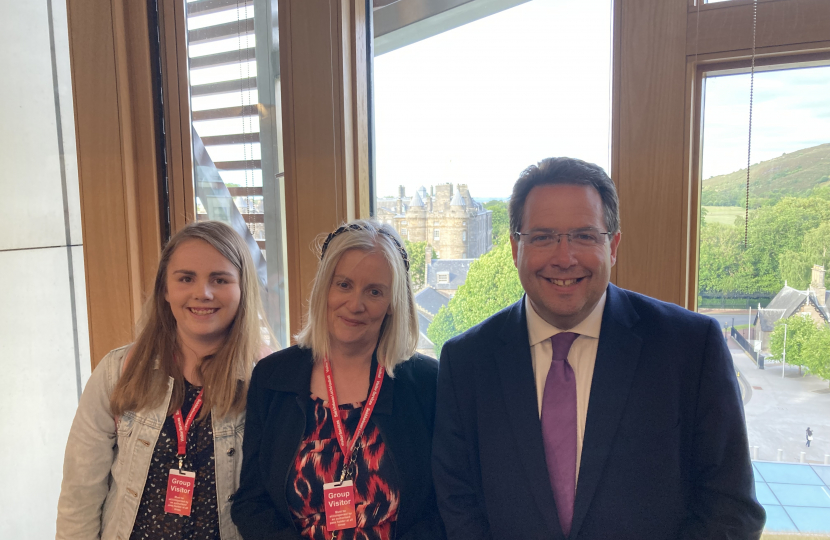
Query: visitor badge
x=180, y=485
x=339, y=501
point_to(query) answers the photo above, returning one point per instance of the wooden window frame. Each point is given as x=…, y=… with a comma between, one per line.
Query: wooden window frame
x=118, y=163
x=793, y=39
x=659, y=47
x=325, y=98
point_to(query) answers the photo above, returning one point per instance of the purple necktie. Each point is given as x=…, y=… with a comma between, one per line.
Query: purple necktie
x=559, y=428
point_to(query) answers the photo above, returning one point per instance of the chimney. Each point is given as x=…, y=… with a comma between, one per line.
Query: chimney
x=818, y=285
x=399, y=206
x=427, y=262
x=401, y=192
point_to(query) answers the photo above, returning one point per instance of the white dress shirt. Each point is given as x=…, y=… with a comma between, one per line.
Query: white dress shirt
x=582, y=357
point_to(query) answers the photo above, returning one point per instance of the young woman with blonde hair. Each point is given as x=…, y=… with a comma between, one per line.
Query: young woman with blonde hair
x=339, y=427
x=155, y=448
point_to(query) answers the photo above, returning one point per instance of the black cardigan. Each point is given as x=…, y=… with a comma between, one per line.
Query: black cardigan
x=274, y=427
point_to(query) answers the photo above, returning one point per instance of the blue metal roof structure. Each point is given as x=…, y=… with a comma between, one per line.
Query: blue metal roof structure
x=796, y=496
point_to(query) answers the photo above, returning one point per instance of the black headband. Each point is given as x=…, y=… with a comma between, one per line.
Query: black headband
x=358, y=227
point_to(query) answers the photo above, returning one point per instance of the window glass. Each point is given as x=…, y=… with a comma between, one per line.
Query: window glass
x=237, y=137
x=459, y=115
x=774, y=285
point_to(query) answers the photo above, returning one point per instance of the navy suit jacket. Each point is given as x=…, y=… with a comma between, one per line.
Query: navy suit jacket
x=665, y=452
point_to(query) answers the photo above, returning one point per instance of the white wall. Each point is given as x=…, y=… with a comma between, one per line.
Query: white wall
x=44, y=346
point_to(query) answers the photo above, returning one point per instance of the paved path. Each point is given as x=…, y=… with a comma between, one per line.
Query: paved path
x=729, y=316
x=778, y=410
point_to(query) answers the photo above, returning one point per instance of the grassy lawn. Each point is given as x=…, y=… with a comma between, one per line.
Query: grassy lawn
x=723, y=214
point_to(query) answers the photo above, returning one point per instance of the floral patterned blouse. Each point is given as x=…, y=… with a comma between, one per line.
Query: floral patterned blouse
x=152, y=522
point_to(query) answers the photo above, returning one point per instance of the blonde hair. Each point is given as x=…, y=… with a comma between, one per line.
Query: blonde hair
x=227, y=371
x=399, y=330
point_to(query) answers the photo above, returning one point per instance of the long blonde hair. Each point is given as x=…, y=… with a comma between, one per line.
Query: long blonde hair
x=226, y=373
x=399, y=330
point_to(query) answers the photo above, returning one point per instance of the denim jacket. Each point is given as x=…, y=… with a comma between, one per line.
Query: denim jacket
x=107, y=461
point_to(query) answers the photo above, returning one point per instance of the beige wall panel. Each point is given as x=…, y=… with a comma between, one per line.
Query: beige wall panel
x=118, y=176
x=143, y=129
x=724, y=27
x=140, y=173
x=323, y=121
x=615, y=105
x=100, y=167
x=360, y=104
x=651, y=143
x=691, y=186
x=311, y=128
x=175, y=83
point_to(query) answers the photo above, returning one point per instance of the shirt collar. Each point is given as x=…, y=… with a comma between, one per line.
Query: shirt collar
x=538, y=329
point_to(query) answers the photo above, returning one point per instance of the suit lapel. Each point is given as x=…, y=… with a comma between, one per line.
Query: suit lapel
x=518, y=385
x=618, y=352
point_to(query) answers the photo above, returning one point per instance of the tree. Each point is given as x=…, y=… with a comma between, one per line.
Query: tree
x=796, y=265
x=800, y=330
x=417, y=262
x=816, y=245
x=721, y=258
x=816, y=353
x=441, y=328
x=776, y=230
x=795, y=268
x=501, y=222
x=492, y=284
x=786, y=239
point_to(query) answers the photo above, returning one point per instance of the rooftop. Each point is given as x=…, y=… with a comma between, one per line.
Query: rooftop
x=423, y=340
x=431, y=300
x=456, y=269
x=789, y=301
x=796, y=496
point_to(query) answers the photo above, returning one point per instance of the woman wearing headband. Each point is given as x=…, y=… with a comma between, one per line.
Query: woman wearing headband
x=339, y=427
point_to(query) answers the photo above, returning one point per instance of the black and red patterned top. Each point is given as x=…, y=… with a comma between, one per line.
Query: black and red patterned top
x=320, y=460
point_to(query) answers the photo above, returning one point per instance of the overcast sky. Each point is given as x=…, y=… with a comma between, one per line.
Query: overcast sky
x=791, y=111
x=481, y=102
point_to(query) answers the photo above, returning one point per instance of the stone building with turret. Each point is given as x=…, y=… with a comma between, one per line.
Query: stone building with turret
x=446, y=217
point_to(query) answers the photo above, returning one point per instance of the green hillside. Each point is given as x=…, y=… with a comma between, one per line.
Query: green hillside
x=793, y=174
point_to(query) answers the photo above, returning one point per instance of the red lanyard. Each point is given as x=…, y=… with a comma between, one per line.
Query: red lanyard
x=348, y=448
x=182, y=427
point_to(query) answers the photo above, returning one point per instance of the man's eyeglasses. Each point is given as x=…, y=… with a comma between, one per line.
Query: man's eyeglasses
x=578, y=238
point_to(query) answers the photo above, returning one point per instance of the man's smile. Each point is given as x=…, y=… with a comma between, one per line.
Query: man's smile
x=564, y=282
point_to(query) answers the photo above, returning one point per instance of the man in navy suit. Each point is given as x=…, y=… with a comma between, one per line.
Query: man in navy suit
x=584, y=410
